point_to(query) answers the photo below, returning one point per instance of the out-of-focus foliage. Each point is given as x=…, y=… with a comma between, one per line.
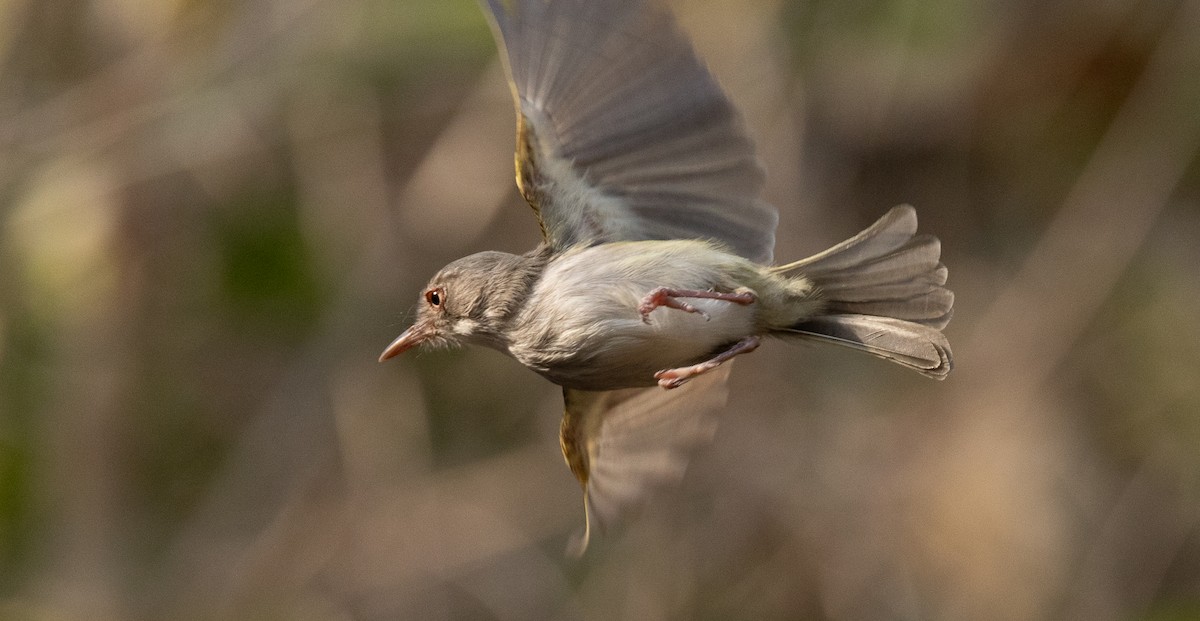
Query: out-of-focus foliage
x=213, y=215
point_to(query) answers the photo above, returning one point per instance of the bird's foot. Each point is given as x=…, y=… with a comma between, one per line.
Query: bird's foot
x=674, y=378
x=664, y=296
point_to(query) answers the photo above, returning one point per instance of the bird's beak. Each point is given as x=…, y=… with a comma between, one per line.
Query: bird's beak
x=411, y=337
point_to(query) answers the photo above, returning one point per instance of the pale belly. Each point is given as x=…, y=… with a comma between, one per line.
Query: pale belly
x=582, y=328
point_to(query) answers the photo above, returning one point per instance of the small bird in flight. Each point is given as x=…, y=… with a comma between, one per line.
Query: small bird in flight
x=655, y=266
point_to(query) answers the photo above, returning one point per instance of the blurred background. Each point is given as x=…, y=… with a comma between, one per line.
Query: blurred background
x=214, y=215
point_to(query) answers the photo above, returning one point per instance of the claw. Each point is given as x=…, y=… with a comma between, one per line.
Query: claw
x=664, y=296
x=674, y=378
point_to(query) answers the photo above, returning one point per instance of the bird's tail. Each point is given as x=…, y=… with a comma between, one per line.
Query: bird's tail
x=883, y=292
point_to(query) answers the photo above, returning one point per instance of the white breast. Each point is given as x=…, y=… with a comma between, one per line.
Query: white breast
x=581, y=326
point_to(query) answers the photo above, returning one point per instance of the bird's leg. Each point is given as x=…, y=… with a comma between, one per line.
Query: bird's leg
x=664, y=296
x=674, y=378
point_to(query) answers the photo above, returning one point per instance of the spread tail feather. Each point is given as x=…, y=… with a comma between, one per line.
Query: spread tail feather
x=883, y=292
x=921, y=348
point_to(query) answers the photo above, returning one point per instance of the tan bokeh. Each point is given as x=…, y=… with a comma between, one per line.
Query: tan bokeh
x=213, y=215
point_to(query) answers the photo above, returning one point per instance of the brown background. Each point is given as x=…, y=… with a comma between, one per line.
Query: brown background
x=213, y=215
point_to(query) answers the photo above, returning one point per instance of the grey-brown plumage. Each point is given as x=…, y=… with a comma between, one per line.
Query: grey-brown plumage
x=654, y=270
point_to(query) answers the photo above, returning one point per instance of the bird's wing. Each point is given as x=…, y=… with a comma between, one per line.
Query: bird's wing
x=622, y=134
x=622, y=445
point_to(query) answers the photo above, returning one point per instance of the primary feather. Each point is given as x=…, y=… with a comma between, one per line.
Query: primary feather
x=624, y=444
x=622, y=132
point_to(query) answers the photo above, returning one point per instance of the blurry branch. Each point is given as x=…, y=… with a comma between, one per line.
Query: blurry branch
x=460, y=178
x=1105, y=219
x=355, y=501
x=80, y=120
x=1108, y=585
x=1009, y=462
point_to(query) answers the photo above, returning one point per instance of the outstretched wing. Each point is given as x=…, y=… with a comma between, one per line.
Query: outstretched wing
x=622, y=445
x=622, y=134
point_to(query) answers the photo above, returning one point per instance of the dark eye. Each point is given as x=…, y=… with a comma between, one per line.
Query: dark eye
x=435, y=297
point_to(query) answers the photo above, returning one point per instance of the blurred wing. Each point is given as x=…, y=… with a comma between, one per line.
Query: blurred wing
x=621, y=133
x=622, y=445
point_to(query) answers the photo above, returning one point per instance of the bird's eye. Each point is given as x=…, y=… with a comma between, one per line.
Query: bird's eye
x=435, y=297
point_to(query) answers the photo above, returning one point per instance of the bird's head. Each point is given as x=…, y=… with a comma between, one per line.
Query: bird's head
x=468, y=301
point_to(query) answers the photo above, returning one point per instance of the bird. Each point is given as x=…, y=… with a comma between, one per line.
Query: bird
x=655, y=266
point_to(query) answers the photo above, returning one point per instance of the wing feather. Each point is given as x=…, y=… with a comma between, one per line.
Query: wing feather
x=622, y=132
x=622, y=445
